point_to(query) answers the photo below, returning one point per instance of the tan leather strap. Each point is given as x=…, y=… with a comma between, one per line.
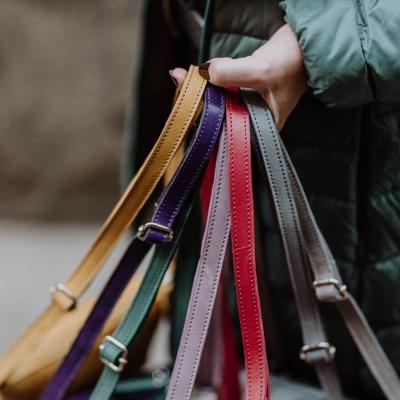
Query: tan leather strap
x=127, y=208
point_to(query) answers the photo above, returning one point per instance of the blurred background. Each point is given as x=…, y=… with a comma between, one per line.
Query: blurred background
x=66, y=77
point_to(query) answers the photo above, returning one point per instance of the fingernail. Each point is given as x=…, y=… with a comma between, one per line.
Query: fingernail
x=203, y=70
x=173, y=78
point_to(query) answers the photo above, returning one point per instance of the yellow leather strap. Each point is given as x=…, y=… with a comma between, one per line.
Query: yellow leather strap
x=127, y=208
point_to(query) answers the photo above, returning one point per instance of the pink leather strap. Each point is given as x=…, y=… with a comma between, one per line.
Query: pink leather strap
x=205, y=283
x=210, y=372
x=243, y=248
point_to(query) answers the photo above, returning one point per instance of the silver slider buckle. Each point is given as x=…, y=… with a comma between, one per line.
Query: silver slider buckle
x=327, y=347
x=61, y=288
x=141, y=233
x=341, y=288
x=122, y=361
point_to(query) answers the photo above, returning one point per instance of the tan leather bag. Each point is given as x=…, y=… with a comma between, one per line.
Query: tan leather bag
x=38, y=367
x=30, y=362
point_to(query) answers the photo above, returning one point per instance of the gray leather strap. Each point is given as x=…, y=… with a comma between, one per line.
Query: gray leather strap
x=205, y=283
x=325, y=271
x=274, y=167
x=327, y=283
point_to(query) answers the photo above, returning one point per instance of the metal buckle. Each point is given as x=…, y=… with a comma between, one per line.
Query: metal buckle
x=152, y=225
x=122, y=361
x=330, y=350
x=342, y=289
x=60, y=287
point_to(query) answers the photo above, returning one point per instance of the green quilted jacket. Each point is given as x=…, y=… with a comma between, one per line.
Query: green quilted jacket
x=343, y=137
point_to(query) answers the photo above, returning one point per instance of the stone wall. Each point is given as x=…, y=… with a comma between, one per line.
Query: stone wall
x=65, y=81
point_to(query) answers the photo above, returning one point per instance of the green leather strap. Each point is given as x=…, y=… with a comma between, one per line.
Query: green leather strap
x=139, y=309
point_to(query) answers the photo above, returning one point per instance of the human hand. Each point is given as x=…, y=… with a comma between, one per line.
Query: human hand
x=275, y=70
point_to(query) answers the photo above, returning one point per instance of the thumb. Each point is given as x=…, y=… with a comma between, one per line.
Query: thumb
x=228, y=72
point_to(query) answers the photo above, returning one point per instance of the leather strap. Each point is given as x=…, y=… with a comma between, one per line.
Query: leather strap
x=329, y=287
x=243, y=248
x=81, y=347
x=211, y=362
x=168, y=208
x=196, y=158
x=327, y=281
x=207, y=276
x=205, y=283
x=194, y=163
x=112, y=349
x=135, y=196
x=274, y=170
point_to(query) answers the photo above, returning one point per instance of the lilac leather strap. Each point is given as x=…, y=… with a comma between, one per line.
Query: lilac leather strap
x=205, y=283
x=155, y=232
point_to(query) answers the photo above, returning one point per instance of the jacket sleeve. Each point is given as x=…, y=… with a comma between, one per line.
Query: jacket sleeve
x=351, y=48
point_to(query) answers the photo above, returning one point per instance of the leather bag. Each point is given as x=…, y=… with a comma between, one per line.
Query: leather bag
x=232, y=121
x=20, y=377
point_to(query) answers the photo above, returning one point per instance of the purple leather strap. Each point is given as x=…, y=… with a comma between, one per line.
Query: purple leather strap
x=84, y=342
x=197, y=155
x=168, y=208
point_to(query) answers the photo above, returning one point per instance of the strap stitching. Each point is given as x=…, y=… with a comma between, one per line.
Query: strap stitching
x=250, y=219
x=150, y=161
x=199, y=169
x=196, y=144
x=235, y=240
x=162, y=139
x=126, y=338
x=291, y=203
x=237, y=270
x=181, y=356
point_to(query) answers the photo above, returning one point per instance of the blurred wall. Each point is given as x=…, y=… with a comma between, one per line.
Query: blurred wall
x=65, y=81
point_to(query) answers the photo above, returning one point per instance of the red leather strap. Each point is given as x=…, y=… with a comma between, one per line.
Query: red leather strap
x=243, y=248
x=206, y=185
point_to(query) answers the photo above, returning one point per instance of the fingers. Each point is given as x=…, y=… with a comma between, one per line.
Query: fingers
x=228, y=72
x=178, y=75
x=243, y=72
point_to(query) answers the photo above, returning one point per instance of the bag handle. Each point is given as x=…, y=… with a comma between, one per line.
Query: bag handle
x=243, y=248
x=234, y=165
x=329, y=287
x=274, y=171
x=158, y=231
x=205, y=284
x=184, y=180
x=327, y=283
x=65, y=296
